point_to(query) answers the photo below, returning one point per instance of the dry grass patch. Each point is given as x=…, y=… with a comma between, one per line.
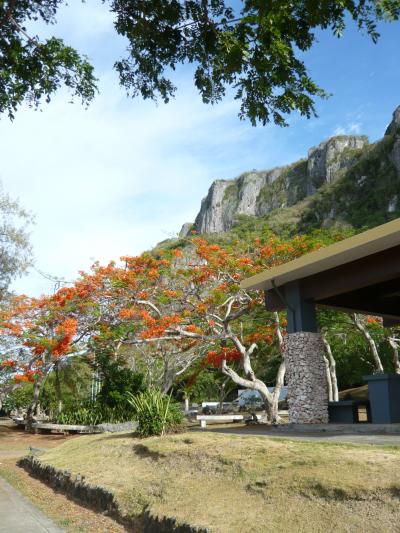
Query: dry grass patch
x=243, y=484
x=70, y=516
x=73, y=518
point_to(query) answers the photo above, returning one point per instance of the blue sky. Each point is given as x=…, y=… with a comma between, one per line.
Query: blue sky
x=119, y=177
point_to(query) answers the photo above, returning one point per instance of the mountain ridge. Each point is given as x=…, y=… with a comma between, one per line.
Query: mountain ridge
x=344, y=179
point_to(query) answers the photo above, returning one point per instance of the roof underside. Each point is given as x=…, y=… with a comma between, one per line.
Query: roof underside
x=371, y=243
x=360, y=274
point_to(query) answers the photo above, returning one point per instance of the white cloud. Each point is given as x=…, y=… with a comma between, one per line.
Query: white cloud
x=117, y=178
x=352, y=128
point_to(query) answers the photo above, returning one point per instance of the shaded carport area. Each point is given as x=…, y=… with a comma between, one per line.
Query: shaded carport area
x=360, y=274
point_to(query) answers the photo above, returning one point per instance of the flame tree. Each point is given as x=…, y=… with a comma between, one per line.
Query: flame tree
x=171, y=308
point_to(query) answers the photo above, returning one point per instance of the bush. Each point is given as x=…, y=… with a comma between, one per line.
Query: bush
x=92, y=413
x=19, y=399
x=155, y=412
x=111, y=405
x=118, y=384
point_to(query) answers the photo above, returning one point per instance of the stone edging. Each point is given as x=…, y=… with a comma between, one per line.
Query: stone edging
x=101, y=499
x=98, y=428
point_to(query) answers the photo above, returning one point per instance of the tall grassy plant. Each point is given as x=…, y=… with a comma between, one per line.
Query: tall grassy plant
x=92, y=413
x=155, y=412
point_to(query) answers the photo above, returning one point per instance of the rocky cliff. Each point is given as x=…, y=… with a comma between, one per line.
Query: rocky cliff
x=344, y=178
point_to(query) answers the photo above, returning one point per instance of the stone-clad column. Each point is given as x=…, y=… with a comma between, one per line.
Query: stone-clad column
x=306, y=378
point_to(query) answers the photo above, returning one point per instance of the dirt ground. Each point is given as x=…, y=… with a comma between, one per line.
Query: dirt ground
x=15, y=442
x=71, y=517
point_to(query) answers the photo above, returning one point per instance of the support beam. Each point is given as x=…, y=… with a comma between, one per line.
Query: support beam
x=301, y=313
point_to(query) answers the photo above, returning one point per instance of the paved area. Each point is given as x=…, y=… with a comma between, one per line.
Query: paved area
x=353, y=438
x=17, y=515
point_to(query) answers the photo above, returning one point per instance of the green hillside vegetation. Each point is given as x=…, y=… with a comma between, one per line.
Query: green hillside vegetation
x=361, y=196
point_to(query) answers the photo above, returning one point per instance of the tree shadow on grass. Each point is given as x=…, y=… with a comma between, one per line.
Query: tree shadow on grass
x=144, y=451
x=394, y=491
x=116, y=436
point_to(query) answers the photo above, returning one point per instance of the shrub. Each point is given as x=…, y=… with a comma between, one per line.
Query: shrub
x=155, y=412
x=111, y=405
x=19, y=398
x=118, y=384
x=92, y=413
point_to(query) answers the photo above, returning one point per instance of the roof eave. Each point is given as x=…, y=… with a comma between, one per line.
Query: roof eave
x=346, y=251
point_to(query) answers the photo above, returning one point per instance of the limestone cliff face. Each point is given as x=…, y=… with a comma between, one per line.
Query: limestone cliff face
x=344, y=179
x=258, y=193
x=325, y=161
x=215, y=216
x=394, y=130
x=394, y=126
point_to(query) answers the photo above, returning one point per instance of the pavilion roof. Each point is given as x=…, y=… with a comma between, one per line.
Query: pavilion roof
x=341, y=253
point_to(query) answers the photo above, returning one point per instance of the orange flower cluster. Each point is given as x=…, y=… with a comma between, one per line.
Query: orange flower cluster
x=156, y=328
x=66, y=330
x=259, y=336
x=266, y=252
x=27, y=377
x=193, y=329
x=8, y=363
x=202, y=274
x=215, y=358
x=11, y=328
x=201, y=308
x=128, y=313
x=170, y=294
x=143, y=295
x=63, y=295
x=143, y=264
x=212, y=253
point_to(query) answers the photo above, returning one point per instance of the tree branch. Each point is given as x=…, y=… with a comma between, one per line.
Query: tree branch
x=8, y=13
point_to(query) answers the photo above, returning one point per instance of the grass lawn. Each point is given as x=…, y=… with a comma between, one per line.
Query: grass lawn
x=233, y=484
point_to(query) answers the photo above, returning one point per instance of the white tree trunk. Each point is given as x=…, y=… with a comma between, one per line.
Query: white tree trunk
x=279, y=382
x=332, y=378
x=251, y=381
x=280, y=376
x=328, y=380
x=58, y=387
x=361, y=327
x=34, y=405
x=395, y=354
x=187, y=407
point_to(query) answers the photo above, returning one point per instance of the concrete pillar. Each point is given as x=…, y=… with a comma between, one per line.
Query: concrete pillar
x=306, y=378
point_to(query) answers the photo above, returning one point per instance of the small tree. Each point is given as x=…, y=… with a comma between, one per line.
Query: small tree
x=15, y=249
x=46, y=330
